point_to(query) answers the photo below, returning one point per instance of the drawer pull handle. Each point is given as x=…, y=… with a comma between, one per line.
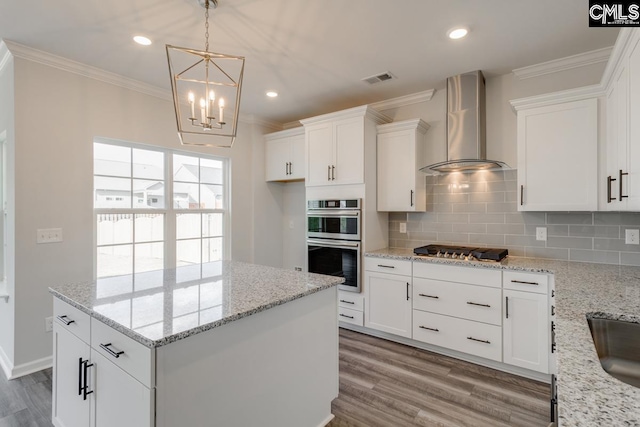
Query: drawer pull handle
x=85, y=388
x=553, y=310
x=64, y=319
x=476, y=339
x=431, y=329
x=347, y=302
x=80, y=364
x=479, y=305
x=106, y=347
x=386, y=266
x=525, y=283
x=344, y=315
x=429, y=296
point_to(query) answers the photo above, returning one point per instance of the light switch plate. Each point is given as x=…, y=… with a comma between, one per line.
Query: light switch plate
x=632, y=237
x=49, y=235
x=541, y=233
x=403, y=227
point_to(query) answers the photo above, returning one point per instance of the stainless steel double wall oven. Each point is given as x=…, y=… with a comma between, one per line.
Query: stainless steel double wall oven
x=333, y=240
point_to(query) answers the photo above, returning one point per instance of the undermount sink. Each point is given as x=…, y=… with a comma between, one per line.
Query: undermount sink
x=618, y=346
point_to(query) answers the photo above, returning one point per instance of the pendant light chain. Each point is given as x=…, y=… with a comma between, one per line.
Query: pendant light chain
x=206, y=26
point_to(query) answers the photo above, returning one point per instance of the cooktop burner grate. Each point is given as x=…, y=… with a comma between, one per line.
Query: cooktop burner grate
x=468, y=253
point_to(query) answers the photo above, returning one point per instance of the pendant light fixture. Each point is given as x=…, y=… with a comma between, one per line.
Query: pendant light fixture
x=206, y=90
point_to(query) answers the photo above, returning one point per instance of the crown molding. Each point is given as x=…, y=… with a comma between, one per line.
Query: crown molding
x=623, y=43
x=64, y=64
x=5, y=55
x=553, y=98
x=254, y=120
x=362, y=111
x=285, y=133
x=292, y=125
x=402, y=101
x=562, y=64
x=412, y=124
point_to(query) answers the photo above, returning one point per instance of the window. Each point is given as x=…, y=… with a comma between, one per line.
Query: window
x=138, y=227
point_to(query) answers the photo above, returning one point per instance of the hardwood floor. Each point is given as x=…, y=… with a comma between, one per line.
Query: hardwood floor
x=381, y=384
x=388, y=384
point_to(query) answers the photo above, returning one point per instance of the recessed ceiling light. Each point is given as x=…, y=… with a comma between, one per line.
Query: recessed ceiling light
x=272, y=94
x=144, y=41
x=457, y=33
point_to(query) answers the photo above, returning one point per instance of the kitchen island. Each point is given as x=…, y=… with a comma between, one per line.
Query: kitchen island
x=225, y=343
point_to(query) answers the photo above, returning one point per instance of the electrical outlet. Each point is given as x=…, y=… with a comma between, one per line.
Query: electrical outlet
x=541, y=233
x=403, y=227
x=632, y=237
x=297, y=268
x=48, y=324
x=49, y=235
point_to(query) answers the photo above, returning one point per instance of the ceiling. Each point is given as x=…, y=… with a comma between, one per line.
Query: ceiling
x=313, y=52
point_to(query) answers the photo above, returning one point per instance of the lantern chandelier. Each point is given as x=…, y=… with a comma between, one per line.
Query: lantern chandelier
x=206, y=90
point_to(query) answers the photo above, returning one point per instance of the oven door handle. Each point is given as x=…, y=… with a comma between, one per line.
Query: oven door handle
x=334, y=213
x=333, y=243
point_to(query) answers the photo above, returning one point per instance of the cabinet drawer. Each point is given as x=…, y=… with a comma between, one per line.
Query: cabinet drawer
x=453, y=273
x=391, y=266
x=350, y=316
x=462, y=335
x=136, y=359
x=351, y=300
x=479, y=303
x=72, y=319
x=528, y=282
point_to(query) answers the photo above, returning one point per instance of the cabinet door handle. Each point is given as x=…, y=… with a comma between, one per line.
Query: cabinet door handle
x=107, y=348
x=80, y=364
x=477, y=340
x=553, y=310
x=407, y=291
x=333, y=173
x=620, y=184
x=429, y=296
x=328, y=173
x=344, y=315
x=525, y=283
x=347, y=302
x=609, y=181
x=65, y=319
x=431, y=329
x=521, y=195
x=386, y=266
x=411, y=199
x=506, y=305
x=85, y=388
x=290, y=168
x=479, y=305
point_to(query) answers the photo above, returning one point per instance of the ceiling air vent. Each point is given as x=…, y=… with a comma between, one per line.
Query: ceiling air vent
x=378, y=78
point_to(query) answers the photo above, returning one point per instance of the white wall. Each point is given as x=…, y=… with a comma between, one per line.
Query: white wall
x=57, y=116
x=294, y=245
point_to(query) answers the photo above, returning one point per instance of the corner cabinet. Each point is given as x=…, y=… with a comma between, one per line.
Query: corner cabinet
x=284, y=155
x=558, y=155
x=335, y=145
x=401, y=152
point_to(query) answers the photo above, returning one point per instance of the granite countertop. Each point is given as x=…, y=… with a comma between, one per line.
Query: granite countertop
x=159, y=307
x=587, y=395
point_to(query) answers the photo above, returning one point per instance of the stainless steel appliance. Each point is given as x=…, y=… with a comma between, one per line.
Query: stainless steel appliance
x=464, y=253
x=333, y=240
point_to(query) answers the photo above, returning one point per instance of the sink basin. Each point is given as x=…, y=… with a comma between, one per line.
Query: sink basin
x=618, y=347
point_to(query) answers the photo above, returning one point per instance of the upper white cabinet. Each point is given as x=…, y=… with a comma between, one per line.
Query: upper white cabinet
x=336, y=145
x=623, y=132
x=284, y=155
x=557, y=156
x=401, y=152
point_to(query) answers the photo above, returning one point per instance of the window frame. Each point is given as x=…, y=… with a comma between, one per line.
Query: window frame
x=170, y=213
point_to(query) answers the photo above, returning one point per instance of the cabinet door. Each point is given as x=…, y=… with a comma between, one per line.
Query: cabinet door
x=396, y=172
x=557, y=157
x=388, y=303
x=68, y=407
x=296, y=168
x=610, y=197
x=319, y=142
x=277, y=154
x=349, y=152
x=631, y=182
x=526, y=330
x=118, y=399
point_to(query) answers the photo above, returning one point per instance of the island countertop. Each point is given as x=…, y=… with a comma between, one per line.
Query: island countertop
x=159, y=307
x=587, y=395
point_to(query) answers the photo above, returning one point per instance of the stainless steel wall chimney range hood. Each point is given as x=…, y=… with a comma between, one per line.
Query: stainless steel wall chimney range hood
x=466, y=133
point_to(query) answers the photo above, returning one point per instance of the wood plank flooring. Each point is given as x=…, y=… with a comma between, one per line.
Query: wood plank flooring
x=383, y=383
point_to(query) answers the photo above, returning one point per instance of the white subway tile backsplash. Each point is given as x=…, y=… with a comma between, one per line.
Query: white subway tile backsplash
x=569, y=218
x=492, y=218
x=602, y=257
x=547, y=253
x=570, y=242
x=627, y=258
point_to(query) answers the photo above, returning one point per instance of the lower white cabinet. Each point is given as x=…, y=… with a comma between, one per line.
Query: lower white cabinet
x=350, y=308
x=388, y=302
x=526, y=330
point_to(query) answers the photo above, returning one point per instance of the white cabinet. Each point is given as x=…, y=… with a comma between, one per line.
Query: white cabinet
x=526, y=324
x=336, y=145
x=284, y=155
x=401, y=152
x=557, y=156
x=350, y=308
x=623, y=133
x=388, y=300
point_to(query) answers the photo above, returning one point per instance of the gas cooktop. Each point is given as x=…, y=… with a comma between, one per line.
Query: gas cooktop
x=465, y=253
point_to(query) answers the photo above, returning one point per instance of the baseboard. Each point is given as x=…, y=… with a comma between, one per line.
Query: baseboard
x=515, y=370
x=31, y=367
x=326, y=420
x=5, y=363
